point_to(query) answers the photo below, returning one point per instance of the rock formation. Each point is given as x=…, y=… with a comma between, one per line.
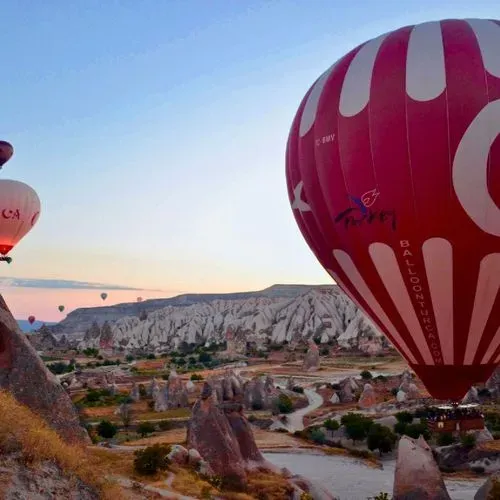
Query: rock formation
x=236, y=341
x=223, y=436
x=404, y=386
x=161, y=399
x=113, y=389
x=18, y=481
x=490, y=490
x=417, y=474
x=260, y=394
x=404, y=379
x=106, y=337
x=244, y=436
x=272, y=318
x=135, y=394
x=347, y=388
x=493, y=383
x=209, y=432
x=177, y=393
x=401, y=396
x=413, y=391
x=43, y=340
x=370, y=344
x=368, y=397
x=311, y=360
x=335, y=398
x=472, y=396
x=23, y=374
x=152, y=388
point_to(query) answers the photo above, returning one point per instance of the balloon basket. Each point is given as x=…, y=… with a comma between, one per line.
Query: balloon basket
x=6, y=259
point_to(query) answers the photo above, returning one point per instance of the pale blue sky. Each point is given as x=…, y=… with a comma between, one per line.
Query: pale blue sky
x=154, y=131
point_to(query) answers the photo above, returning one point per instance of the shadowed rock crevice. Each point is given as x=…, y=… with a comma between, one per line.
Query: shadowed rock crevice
x=23, y=374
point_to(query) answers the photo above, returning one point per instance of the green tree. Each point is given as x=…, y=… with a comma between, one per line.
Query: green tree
x=380, y=438
x=129, y=358
x=165, y=425
x=405, y=417
x=317, y=436
x=381, y=496
x=331, y=425
x=106, y=429
x=356, y=431
x=416, y=430
x=400, y=428
x=145, y=428
x=60, y=367
x=91, y=352
x=445, y=439
x=196, y=376
x=93, y=396
x=468, y=440
x=204, y=358
x=151, y=459
x=356, y=425
x=285, y=404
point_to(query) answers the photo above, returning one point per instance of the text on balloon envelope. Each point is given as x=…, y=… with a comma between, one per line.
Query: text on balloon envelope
x=424, y=308
x=355, y=217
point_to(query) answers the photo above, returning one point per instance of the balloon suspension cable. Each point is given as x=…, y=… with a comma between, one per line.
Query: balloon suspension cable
x=3, y=258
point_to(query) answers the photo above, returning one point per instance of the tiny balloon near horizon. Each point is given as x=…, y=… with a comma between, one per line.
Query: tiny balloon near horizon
x=53, y=305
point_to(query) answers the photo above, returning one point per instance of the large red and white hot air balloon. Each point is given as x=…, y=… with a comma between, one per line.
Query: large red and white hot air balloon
x=19, y=212
x=393, y=173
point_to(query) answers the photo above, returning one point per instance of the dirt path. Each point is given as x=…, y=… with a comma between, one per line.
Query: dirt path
x=295, y=420
x=129, y=484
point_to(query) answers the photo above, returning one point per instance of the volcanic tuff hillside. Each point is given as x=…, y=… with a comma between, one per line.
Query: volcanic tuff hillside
x=276, y=314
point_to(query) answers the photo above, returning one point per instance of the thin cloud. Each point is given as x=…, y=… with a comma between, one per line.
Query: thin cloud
x=62, y=284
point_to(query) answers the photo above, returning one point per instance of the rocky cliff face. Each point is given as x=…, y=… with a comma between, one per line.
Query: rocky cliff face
x=23, y=374
x=275, y=315
x=79, y=321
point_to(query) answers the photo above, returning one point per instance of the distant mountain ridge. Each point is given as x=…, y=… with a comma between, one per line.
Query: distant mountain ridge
x=26, y=327
x=79, y=320
x=277, y=314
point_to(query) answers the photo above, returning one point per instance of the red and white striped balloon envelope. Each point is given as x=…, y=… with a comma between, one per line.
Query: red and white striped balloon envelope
x=19, y=212
x=393, y=173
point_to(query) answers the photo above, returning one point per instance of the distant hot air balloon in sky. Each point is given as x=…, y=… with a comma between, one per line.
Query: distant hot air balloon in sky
x=6, y=152
x=19, y=212
x=31, y=319
x=61, y=308
x=139, y=299
x=393, y=173
x=104, y=295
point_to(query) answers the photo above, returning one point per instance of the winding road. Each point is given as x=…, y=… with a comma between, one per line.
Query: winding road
x=295, y=420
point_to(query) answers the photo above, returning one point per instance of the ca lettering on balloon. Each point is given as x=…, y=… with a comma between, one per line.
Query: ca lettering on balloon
x=8, y=213
x=424, y=315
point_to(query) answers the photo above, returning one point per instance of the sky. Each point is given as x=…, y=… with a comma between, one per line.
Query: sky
x=154, y=133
